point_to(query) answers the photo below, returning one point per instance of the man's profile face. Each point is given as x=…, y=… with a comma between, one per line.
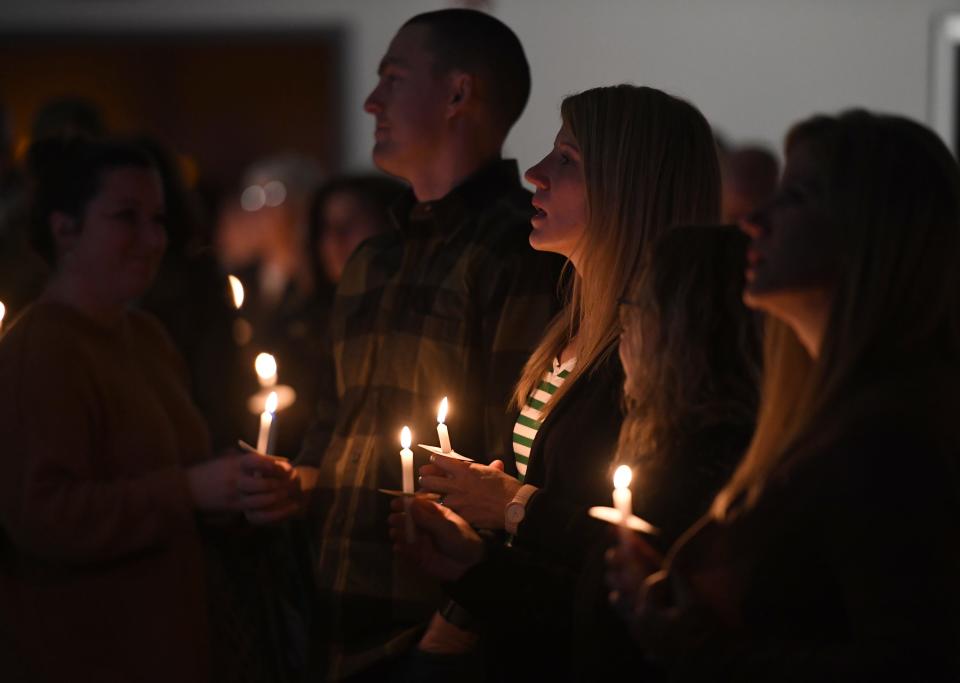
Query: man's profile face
x=409, y=104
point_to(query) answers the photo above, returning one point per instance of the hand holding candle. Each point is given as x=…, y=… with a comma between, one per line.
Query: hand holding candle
x=623, y=498
x=406, y=462
x=265, y=437
x=442, y=432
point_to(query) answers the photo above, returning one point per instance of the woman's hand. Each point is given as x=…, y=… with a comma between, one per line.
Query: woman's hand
x=445, y=546
x=632, y=567
x=221, y=484
x=443, y=638
x=478, y=493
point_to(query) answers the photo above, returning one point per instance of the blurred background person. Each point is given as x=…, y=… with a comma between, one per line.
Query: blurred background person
x=266, y=244
x=107, y=465
x=347, y=211
x=750, y=174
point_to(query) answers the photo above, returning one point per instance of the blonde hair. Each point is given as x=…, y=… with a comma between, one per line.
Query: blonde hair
x=893, y=191
x=649, y=162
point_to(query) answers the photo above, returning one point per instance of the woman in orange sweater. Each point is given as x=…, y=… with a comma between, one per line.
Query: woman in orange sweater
x=105, y=461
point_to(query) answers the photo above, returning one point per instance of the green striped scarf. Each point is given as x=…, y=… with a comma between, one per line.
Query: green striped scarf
x=529, y=421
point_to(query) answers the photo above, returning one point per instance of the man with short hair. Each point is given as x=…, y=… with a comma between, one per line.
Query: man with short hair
x=449, y=304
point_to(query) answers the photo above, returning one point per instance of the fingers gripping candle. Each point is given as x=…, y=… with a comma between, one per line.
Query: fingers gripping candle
x=406, y=462
x=442, y=431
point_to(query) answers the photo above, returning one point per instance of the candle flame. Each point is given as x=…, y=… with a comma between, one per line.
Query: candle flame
x=3, y=311
x=271, y=404
x=236, y=287
x=266, y=367
x=442, y=411
x=405, y=438
x=622, y=477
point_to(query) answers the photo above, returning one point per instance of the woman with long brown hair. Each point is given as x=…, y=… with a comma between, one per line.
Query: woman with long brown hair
x=627, y=164
x=832, y=553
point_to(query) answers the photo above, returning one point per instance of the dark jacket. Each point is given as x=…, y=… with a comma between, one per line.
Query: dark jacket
x=543, y=602
x=846, y=568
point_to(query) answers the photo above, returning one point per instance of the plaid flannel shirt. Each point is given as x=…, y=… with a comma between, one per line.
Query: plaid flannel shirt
x=450, y=304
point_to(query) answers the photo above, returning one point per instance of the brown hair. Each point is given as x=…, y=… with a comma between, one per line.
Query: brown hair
x=694, y=345
x=893, y=190
x=649, y=162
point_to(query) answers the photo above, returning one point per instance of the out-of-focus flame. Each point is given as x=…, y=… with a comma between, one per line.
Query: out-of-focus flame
x=622, y=477
x=266, y=367
x=236, y=288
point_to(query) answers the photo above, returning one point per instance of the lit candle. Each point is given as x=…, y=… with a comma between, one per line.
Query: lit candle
x=622, y=498
x=442, y=428
x=266, y=367
x=3, y=312
x=265, y=437
x=236, y=288
x=406, y=462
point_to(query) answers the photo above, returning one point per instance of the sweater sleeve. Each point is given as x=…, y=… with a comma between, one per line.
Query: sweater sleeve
x=55, y=502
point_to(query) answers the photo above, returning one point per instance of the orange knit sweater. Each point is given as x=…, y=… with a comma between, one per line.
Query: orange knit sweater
x=101, y=572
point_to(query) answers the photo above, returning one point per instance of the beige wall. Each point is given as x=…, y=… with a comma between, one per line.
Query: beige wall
x=752, y=66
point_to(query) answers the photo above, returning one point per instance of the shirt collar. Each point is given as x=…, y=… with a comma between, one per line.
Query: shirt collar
x=446, y=215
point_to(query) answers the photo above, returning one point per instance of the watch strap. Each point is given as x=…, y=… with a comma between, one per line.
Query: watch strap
x=521, y=498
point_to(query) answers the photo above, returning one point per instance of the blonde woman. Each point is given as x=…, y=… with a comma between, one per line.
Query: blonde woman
x=627, y=163
x=832, y=553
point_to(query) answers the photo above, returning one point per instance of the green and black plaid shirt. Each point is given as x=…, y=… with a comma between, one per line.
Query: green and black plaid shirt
x=450, y=304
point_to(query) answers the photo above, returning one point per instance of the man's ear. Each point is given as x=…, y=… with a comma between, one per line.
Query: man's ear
x=65, y=229
x=461, y=92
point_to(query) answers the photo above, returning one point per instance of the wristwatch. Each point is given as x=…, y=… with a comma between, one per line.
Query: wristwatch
x=516, y=509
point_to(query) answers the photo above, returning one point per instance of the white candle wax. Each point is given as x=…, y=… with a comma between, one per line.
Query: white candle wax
x=406, y=462
x=265, y=436
x=622, y=497
x=442, y=431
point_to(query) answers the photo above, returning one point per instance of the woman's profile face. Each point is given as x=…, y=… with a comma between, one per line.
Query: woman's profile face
x=122, y=237
x=793, y=254
x=560, y=198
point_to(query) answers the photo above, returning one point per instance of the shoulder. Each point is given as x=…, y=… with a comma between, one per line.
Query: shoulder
x=43, y=346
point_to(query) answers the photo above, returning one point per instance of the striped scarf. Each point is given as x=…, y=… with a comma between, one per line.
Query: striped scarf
x=529, y=422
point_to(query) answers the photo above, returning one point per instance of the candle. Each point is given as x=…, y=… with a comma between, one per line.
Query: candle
x=265, y=438
x=266, y=367
x=442, y=428
x=622, y=498
x=3, y=312
x=406, y=462
x=236, y=288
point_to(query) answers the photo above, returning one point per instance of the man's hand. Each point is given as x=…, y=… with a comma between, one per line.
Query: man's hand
x=445, y=546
